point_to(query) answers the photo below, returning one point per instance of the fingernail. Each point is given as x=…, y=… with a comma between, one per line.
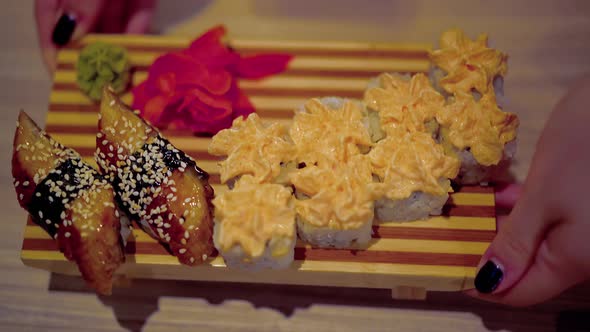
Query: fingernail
x=62, y=33
x=488, y=278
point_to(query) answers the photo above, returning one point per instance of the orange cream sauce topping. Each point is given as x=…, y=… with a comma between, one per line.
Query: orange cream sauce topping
x=411, y=162
x=478, y=125
x=321, y=133
x=252, y=214
x=469, y=64
x=339, y=198
x=252, y=148
x=404, y=104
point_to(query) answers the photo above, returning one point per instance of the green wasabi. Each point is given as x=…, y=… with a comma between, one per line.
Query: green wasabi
x=101, y=64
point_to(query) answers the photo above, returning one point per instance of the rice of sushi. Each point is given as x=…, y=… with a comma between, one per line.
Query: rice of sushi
x=271, y=258
x=255, y=225
x=416, y=207
x=325, y=237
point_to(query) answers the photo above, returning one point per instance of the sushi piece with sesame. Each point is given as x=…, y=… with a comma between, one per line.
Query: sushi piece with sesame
x=71, y=201
x=158, y=186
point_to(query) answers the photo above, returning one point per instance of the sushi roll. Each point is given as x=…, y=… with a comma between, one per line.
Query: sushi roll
x=405, y=103
x=328, y=131
x=465, y=65
x=414, y=176
x=71, y=201
x=250, y=147
x=480, y=134
x=255, y=225
x=335, y=207
x=157, y=185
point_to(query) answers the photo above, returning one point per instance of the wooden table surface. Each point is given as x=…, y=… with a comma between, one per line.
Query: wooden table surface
x=548, y=46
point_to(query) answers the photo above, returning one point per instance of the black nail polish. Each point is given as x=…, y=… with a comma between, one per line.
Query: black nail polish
x=64, y=29
x=488, y=278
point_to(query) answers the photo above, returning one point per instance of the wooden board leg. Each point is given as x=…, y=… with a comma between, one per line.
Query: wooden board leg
x=408, y=293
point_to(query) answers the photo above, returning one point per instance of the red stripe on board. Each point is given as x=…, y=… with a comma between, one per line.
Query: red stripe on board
x=419, y=233
x=269, y=92
x=342, y=53
x=392, y=257
x=338, y=255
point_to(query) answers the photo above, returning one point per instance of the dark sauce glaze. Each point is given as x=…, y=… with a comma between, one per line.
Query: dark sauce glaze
x=173, y=160
x=45, y=201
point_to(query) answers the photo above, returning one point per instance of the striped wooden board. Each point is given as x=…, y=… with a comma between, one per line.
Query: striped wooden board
x=436, y=254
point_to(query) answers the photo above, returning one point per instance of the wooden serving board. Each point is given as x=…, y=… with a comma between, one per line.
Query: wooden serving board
x=436, y=254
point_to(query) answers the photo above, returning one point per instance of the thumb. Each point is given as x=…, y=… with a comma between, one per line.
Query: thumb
x=513, y=249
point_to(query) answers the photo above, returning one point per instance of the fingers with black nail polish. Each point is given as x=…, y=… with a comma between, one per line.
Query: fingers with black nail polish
x=62, y=33
x=488, y=278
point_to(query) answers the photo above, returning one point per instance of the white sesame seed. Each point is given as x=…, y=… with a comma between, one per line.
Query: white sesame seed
x=62, y=215
x=204, y=257
x=21, y=196
x=67, y=234
x=47, y=221
x=173, y=189
x=112, y=103
x=181, y=220
x=39, y=195
x=181, y=169
x=182, y=251
x=16, y=184
x=183, y=241
x=26, y=183
x=167, y=225
x=187, y=200
x=192, y=259
x=41, y=214
x=117, y=213
x=186, y=234
x=99, y=135
x=182, y=164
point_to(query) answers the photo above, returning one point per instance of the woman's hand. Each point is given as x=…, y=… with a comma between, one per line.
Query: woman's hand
x=543, y=246
x=58, y=21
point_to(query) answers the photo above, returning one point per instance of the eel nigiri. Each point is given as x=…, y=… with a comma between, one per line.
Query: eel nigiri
x=157, y=185
x=71, y=201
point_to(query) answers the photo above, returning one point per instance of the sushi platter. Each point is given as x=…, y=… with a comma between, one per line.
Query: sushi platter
x=410, y=258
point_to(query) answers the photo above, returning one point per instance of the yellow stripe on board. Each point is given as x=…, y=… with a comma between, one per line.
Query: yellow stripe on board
x=399, y=245
x=323, y=63
x=453, y=222
x=473, y=199
x=276, y=82
x=438, y=271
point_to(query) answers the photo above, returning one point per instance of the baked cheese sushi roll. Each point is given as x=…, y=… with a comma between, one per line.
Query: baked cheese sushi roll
x=470, y=66
x=157, y=185
x=480, y=134
x=335, y=207
x=414, y=176
x=252, y=148
x=328, y=131
x=71, y=201
x=404, y=103
x=255, y=225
